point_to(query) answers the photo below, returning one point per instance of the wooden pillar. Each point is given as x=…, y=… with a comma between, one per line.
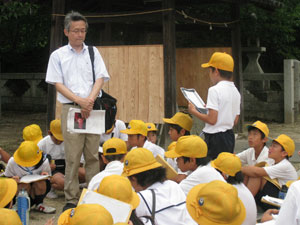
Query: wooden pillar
x=169, y=57
x=237, y=56
x=56, y=37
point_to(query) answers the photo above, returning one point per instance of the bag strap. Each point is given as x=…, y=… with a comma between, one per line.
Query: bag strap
x=153, y=206
x=92, y=56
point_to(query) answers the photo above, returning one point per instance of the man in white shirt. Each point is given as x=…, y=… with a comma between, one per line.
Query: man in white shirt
x=137, y=137
x=70, y=70
x=114, y=151
x=269, y=179
x=148, y=178
x=191, y=154
x=258, y=152
x=230, y=167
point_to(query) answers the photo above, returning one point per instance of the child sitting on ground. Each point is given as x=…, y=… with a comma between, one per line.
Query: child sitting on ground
x=269, y=179
x=114, y=151
x=29, y=160
x=229, y=165
x=191, y=154
x=152, y=132
x=258, y=152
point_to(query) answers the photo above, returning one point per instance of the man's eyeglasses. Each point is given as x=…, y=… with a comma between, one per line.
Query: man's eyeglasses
x=78, y=31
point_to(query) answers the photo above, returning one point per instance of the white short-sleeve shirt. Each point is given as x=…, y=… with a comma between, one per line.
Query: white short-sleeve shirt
x=226, y=99
x=119, y=125
x=203, y=174
x=74, y=70
x=170, y=204
x=155, y=149
x=13, y=169
x=282, y=171
x=52, y=149
x=249, y=203
x=112, y=168
x=247, y=157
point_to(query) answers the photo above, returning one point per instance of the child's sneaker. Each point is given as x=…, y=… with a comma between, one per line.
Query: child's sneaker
x=45, y=209
x=51, y=194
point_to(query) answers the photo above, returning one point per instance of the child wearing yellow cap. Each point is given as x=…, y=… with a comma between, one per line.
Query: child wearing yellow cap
x=269, y=179
x=179, y=125
x=223, y=104
x=119, y=187
x=258, y=134
x=33, y=133
x=114, y=151
x=160, y=199
x=229, y=165
x=29, y=159
x=53, y=146
x=152, y=132
x=137, y=137
x=191, y=154
x=215, y=203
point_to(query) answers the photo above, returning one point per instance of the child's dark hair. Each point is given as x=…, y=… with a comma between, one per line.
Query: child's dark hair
x=223, y=73
x=254, y=128
x=179, y=128
x=111, y=158
x=138, y=135
x=149, y=177
x=199, y=161
x=237, y=179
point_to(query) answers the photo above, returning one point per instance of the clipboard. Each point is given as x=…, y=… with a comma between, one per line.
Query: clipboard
x=120, y=211
x=171, y=173
x=192, y=96
x=272, y=200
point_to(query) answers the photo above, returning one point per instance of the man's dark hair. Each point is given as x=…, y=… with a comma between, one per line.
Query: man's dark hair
x=199, y=161
x=223, y=73
x=111, y=158
x=73, y=17
x=149, y=177
x=254, y=128
x=179, y=128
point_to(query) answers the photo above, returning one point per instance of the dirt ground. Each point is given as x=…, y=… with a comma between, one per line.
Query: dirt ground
x=12, y=124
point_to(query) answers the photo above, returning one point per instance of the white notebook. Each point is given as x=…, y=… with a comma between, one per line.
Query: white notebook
x=192, y=96
x=119, y=210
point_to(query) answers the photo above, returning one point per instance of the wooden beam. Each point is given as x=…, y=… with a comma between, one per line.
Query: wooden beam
x=237, y=56
x=56, y=37
x=169, y=58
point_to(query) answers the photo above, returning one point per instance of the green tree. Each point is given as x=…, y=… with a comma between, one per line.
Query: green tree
x=25, y=31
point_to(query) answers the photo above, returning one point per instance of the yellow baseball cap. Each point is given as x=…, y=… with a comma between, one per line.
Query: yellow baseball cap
x=136, y=127
x=8, y=190
x=227, y=163
x=172, y=146
x=119, y=187
x=32, y=132
x=287, y=143
x=139, y=160
x=189, y=146
x=181, y=119
x=261, y=126
x=216, y=202
x=9, y=217
x=28, y=154
x=114, y=146
x=151, y=127
x=55, y=128
x=86, y=214
x=220, y=60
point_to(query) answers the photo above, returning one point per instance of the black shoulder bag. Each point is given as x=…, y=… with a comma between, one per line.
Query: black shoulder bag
x=105, y=102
